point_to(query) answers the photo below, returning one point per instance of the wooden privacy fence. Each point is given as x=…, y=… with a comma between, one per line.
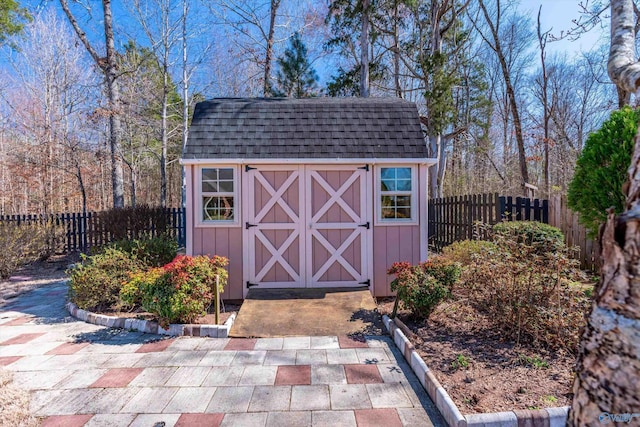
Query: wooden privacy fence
x=452, y=219
x=575, y=234
x=79, y=232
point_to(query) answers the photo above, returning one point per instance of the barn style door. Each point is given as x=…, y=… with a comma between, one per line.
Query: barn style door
x=306, y=226
x=336, y=240
x=275, y=240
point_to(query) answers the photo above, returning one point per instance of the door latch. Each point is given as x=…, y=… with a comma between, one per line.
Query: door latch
x=365, y=225
x=248, y=226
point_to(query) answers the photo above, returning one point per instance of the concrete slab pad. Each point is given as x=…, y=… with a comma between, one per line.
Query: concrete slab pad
x=190, y=400
x=223, y=376
x=333, y=418
x=154, y=376
x=328, y=374
x=342, y=356
x=256, y=419
x=349, y=396
x=270, y=398
x=289, y=419
x=388, y=395
x=305, y=312
x=249, y=357
x=280, y=357
x=110, y=420
x=230, y=399
x=310, y=397
x=311, y=357
x=147, y=420
x=217, y=358
x=258, y=375
x=149, y=399
x=325, y=343
x=269, y=344
x=188, y=376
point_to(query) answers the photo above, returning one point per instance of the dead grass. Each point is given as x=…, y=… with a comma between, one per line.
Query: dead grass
x=14, y=404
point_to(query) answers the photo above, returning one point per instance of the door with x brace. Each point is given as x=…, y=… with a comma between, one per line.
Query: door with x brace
x=274, y=226
x=306, y=226
x=338, y=231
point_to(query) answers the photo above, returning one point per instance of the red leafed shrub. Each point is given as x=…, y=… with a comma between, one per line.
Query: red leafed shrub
x=422, y=287
x=179, y=292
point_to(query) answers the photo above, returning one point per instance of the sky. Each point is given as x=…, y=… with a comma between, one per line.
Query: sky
x=557, y=16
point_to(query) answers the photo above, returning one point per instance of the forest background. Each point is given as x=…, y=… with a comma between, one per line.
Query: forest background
x=508, y=91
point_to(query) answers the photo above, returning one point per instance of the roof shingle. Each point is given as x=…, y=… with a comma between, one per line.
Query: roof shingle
x=305, y=128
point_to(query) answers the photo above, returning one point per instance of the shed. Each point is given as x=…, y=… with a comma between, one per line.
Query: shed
x=322, y=192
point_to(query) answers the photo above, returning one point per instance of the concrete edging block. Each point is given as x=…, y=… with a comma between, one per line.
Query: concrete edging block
x=448, y=408
x=493, y=419
x=558, y=416
x=150, y=327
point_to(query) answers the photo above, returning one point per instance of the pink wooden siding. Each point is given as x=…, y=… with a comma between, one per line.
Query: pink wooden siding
x=391, y=244
x=223, y=241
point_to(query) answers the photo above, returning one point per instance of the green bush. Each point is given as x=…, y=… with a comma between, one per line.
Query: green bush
x=543, y=237
x=601, y=169
x=25, y=243
x=465, y=251
x=95, y=283
x=422, y=287
x=152, y=251
x=179, y=292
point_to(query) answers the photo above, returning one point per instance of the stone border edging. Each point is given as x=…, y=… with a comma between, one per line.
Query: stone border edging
x=548, y=417
x=150, y=327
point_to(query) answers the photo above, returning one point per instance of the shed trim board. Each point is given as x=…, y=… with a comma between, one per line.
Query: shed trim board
x=305, y=237
x=371, y=161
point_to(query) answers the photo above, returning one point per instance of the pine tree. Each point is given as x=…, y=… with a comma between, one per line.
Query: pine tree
x=296, y=77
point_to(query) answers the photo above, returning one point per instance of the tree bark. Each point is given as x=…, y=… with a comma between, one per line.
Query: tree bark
x=515, y=114
x=268, y=58
x=109, y=68
x=607, y=384
x=364, y=51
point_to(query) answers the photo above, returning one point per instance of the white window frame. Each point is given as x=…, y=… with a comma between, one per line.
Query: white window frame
x=378, y=196
x=201, y=222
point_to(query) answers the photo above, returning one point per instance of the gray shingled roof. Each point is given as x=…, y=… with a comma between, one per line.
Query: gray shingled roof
x=305, y=128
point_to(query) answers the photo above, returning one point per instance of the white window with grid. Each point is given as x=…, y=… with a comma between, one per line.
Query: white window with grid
x=219, y=195
x=396, y=198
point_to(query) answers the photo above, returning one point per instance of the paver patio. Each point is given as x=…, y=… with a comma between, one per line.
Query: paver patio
x=82, y=374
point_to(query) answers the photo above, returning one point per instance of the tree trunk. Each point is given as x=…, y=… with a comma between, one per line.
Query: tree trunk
x=513, y=105
x=396, y=51
x=108, y=66
x=607, y=384
x=185, y=98
x=268, y=57
x=608, y=370
x=364, y=51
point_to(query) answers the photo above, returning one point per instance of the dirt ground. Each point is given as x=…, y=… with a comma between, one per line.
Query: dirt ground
x=481, y=372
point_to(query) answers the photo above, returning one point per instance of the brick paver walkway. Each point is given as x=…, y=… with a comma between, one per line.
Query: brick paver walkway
x=81, y=374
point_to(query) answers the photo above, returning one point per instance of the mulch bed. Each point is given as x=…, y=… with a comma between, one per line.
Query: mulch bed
x=480, y=370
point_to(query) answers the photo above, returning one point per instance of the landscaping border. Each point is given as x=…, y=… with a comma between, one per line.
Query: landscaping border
x=548, y=417
x=151, y=327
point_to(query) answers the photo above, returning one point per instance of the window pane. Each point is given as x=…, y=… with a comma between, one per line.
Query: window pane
x=218, y=208
x=403, y=173
x=403, y=201
x=225, y=186
x=209, y=186
x=403, y=213
x=226, y=174
x=403, y=185
x=209, y=174
x=388, y=185
x=388, y=173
